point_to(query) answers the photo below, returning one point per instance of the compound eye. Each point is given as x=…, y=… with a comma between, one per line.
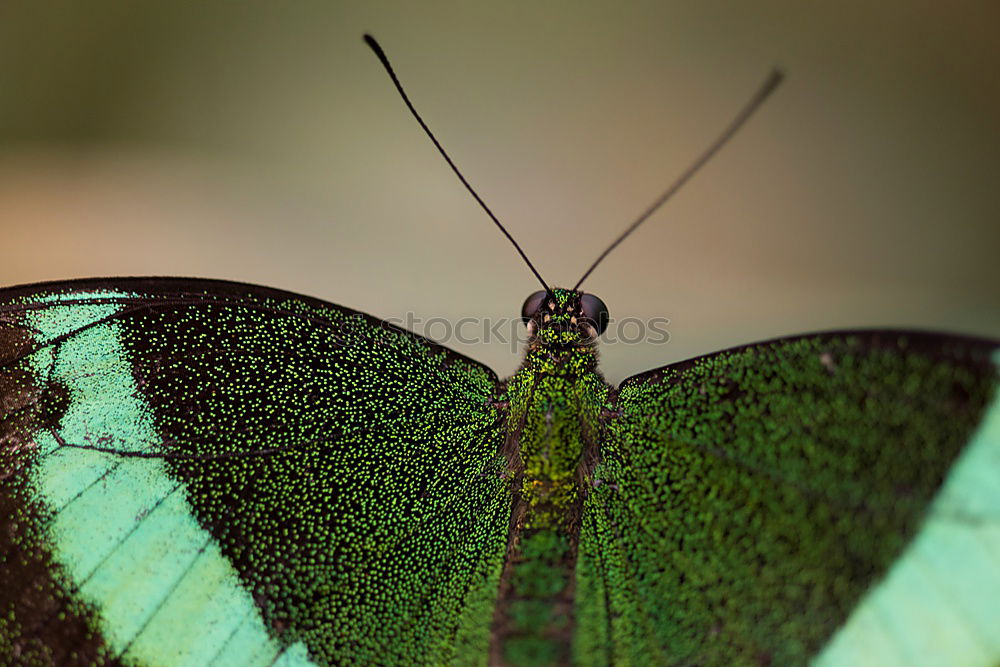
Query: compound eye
x=595, y=311
x=531, y=305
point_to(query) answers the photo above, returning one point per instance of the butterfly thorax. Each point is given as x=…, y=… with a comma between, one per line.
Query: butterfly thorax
x=555, y=403
x=553, y=431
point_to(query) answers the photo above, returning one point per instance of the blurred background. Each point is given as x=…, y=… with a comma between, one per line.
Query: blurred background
x=262, y=142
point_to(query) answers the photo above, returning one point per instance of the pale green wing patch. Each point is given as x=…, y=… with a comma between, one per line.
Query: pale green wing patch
x=123, y=531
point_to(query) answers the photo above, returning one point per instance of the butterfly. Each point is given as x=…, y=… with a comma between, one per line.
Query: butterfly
x=208, y=472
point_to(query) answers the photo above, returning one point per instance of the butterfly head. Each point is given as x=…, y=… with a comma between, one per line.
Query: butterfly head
x=564, y=318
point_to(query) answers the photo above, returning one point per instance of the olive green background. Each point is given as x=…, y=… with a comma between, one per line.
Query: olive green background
x=262, y=142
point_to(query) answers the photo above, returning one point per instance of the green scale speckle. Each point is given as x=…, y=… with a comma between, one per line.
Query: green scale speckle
x=203, y=472
x=342, y=477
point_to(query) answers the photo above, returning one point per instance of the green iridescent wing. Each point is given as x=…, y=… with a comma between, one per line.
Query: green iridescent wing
x=200, y=470
x=752, y=502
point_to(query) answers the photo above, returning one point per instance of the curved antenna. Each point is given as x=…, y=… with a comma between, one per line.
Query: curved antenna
x=762, y=94
x=370, y=41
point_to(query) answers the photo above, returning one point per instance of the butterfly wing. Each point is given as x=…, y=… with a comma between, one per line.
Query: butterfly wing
x=753, y=501
x=201, y=470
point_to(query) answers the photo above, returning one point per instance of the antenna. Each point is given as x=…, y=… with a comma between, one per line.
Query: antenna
x=762, y=94
x=370, y=41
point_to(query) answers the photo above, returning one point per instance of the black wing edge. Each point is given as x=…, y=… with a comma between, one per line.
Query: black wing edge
x=936, y=344
x=194, y=288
